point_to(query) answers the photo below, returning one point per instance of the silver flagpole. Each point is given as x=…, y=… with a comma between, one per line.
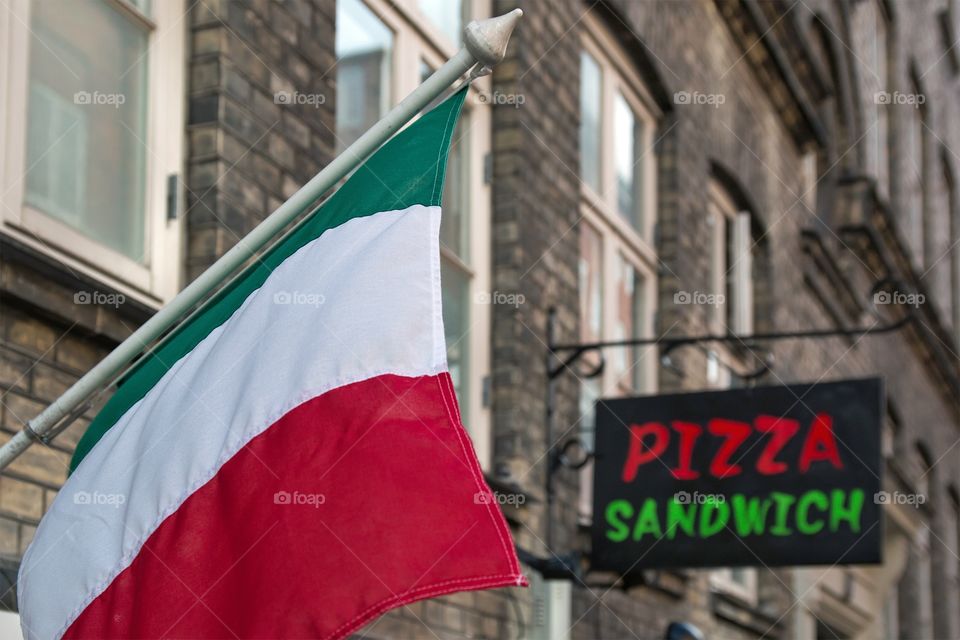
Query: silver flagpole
x=485, y=44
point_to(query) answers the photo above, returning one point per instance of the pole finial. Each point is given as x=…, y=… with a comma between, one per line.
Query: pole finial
x=486, y=40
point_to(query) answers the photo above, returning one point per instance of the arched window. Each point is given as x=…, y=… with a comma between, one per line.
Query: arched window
x=836, y=156
x=738, y=259
x=871, y=67
x=731, y=262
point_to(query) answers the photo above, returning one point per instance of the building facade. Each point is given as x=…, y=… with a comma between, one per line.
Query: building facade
x=633, y=169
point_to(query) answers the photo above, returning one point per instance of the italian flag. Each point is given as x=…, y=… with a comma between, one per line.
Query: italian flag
x=291, y=462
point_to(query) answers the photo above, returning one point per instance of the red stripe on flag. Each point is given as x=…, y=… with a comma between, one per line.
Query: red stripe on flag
x=360, y=500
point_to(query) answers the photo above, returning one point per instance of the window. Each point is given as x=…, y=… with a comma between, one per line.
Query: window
x=385, y=50
x=955, y=523
x=454, y=227
x=590, y=132
x=871, y=17
x=617, y=279
x=590, y=284
x=92, y=93
x=629, y=323
x=953, y=210
x=916, y=170
x=364, y=61
x=627, y=143
x=731, y=265
x=446, y=15
x=890, y=622
x=456, y=305
x=730, y=304
x=740, y=582
x=86, y=157
x=617, y=129
x=879, y=55
x=455, y=251
x=940, y=273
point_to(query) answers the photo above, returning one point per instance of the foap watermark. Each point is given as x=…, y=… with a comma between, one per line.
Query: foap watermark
x=898, y=497
x=699, y=298
x=95, y=498
x=513, y=499
x=501, y=297
x=296, y=97
x=686, y=497
x=899, y=297
x=304, y=298
x=498, y=98
x=298, y=498
x=695, y=97
x=97, y=98
x=102, y=298
x=897, y=97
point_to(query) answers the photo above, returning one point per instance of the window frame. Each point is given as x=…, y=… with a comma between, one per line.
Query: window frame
x=600, y=162
x=879, y=57
x=430, y=31
x=159, y=277
x=736, y=315
x=613, y=381
x=917, y=144
x=388, y=97
x=723, y=580
x=417, y=40
x=619, y=240
x=618, y=75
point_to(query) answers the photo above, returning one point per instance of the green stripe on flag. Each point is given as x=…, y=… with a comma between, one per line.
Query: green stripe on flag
x=409, y=169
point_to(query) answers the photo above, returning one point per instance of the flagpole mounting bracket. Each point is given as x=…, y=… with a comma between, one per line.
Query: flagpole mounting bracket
x=48, y=436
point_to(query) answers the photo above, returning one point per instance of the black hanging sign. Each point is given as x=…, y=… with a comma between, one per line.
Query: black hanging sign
x=782, y=475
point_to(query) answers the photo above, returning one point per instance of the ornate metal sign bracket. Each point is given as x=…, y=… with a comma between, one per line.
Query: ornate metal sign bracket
x=563, y=357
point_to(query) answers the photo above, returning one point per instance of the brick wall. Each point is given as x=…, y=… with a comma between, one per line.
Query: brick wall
x=251, y=142
x=50, y=334
x=248, y=150
x=535, y=213
x=695, y=46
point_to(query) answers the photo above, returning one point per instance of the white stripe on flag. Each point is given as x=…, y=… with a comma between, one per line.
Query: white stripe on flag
x=361, y=300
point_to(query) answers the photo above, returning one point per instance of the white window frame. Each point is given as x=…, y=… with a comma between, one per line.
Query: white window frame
x=159, y=277
x=879, y=61
x=734, y=316
x=617, y=237
x=416, y=39
x=618, y=75
x=916, y=142
x=430, y=32
x=723, y=580
x=613, y=382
